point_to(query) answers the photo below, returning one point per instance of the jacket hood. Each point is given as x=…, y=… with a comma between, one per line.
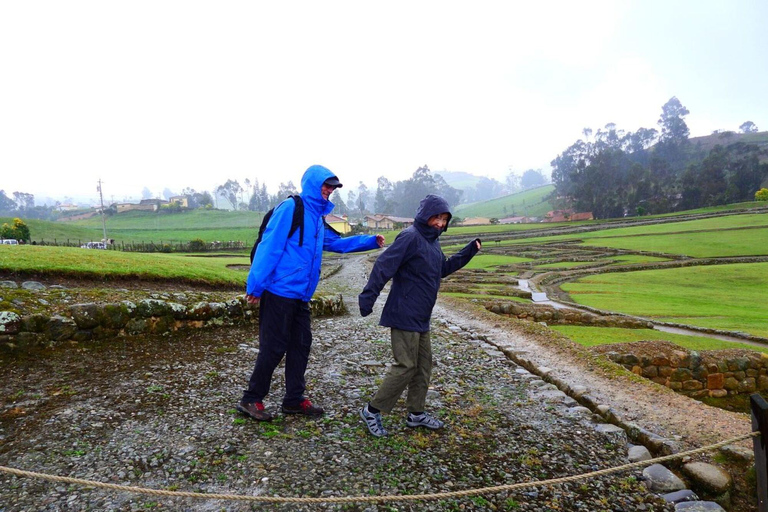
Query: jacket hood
x=311, y=183
x=429, y=206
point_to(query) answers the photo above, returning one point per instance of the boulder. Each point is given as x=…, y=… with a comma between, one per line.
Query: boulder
x=711, y=478
x=662, y=479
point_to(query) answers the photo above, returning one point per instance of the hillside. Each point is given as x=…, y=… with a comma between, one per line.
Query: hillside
x=530, y=203
x=708, y=142
x=459, y=180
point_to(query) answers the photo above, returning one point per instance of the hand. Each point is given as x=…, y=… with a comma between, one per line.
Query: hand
x=380, y=240
x=478, y=243
x=250, y=299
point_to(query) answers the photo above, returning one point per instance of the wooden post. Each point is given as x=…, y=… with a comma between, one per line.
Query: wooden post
x=760, y=422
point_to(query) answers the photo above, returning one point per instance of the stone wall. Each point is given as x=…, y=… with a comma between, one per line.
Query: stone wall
x=95, y=322
x=693, y=375
x=552, y=316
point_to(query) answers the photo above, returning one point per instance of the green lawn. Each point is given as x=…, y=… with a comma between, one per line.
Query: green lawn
x=594, y=336
x=698, y=238
x=730, y=297
x=494, y=260
x=117, y=264
x=749, y=242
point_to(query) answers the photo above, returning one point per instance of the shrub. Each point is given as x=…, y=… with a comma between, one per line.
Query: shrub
x=197, y=244
x=19, y=230
x=761, y=195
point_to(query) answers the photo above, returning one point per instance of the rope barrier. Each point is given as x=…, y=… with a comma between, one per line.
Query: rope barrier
x=373, y=499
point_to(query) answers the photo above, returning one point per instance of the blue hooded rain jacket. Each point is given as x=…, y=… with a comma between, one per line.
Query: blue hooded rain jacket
x=284, y=268
x=415, y=263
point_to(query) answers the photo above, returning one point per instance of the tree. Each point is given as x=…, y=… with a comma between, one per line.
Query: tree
x=24, y=201
x=748, y=127
x=286, y=189
x=532, y=178
x=146, y=193
x=363, y=198
x=339, y=206
x=167, y=193
x=230, y=191
x=383, y=201
x=451, y=195
x=673, y=127
x=512, y=181
x=7, y=204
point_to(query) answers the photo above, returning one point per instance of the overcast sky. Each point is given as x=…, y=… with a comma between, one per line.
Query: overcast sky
x=189, y=94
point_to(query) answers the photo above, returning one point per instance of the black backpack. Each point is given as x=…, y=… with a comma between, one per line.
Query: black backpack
x=296, y=223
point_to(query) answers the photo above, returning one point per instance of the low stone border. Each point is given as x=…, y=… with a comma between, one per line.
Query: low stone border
x=689, y=374
x=91, y=321
x=553, y=316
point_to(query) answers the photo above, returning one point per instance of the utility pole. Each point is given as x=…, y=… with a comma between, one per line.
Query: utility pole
x=103, y=222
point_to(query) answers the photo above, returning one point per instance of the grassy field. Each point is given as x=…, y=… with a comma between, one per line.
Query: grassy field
x=530, y=203
x=594, y=336
x=137, y=227
x=730, y=297
x=75, y=262
x=493, y=260
x=736, y=235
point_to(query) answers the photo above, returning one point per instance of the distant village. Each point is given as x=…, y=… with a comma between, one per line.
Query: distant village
x=341, y=223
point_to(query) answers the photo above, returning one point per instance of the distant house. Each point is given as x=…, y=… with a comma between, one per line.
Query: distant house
x=582, y=216
x=378, y=222
x=340, y=224
x=476, y=221
x=386, y=222
x=67, y=207
x=154, y=203
x=182, y=201
x=514, y=220
x=400, y=222
x=127, y=207
x=566, y=216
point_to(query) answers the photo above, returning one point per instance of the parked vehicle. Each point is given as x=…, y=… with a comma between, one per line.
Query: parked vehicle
x=9, y=241
x=94, y=245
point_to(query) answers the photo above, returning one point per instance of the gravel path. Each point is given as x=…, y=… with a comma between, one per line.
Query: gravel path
x=159, y=413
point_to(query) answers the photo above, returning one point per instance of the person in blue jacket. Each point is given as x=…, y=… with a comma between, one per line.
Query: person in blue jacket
x=282, y=279
x=415, y=264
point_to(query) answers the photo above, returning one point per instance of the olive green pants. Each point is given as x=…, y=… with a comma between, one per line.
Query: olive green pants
x=412, y=370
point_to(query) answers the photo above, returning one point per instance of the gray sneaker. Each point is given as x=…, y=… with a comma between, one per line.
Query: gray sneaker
x=424, y=420
x=373, y=422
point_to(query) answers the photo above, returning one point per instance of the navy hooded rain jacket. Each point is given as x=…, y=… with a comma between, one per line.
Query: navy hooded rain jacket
x=415, y=263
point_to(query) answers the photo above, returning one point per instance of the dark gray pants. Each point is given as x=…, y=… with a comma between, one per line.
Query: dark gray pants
x=412, y=370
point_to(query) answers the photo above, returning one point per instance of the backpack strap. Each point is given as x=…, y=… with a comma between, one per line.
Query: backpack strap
x=298, y=218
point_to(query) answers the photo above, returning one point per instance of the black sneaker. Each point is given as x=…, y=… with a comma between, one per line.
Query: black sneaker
x=373, y=422
x=255, y=410
x=305, y=407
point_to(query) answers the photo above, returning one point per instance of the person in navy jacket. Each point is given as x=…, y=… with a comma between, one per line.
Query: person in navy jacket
x=415, y=264
x=283, y=276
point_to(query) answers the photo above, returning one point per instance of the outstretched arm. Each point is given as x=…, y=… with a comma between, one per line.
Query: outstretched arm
x=461, y=258
x=335, y=243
